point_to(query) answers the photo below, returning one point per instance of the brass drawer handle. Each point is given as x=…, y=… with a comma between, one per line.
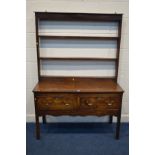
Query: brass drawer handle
x=109, y=104
x=66, y=104
x=89, y=104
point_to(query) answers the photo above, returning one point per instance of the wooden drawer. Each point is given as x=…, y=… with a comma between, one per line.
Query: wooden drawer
x=56, y=102
x=100, y=102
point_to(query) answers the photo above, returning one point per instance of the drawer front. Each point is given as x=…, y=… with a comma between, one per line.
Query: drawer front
x=56, y=102
x=100, y=102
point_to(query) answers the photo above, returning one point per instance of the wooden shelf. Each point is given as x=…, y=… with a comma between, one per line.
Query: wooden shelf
x=77, y=58
x=83, y=17
x=61, y=76
x=79, y=37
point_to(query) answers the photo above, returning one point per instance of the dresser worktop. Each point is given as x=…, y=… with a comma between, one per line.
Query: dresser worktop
x=78, y=85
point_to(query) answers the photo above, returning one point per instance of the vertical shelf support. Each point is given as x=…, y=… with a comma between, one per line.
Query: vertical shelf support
x=37, y=44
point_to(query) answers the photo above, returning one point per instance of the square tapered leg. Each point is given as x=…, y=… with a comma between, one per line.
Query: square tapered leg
x=118, y=127
x=110, y=119
x=44, y=119
x=37, y=128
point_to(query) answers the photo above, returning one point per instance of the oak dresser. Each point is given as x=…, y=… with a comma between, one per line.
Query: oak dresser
x=75, y=95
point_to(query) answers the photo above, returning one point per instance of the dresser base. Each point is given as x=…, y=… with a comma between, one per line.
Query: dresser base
x=78, y=97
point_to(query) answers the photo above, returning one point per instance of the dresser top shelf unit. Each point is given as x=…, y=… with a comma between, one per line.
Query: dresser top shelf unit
x=49, y=37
